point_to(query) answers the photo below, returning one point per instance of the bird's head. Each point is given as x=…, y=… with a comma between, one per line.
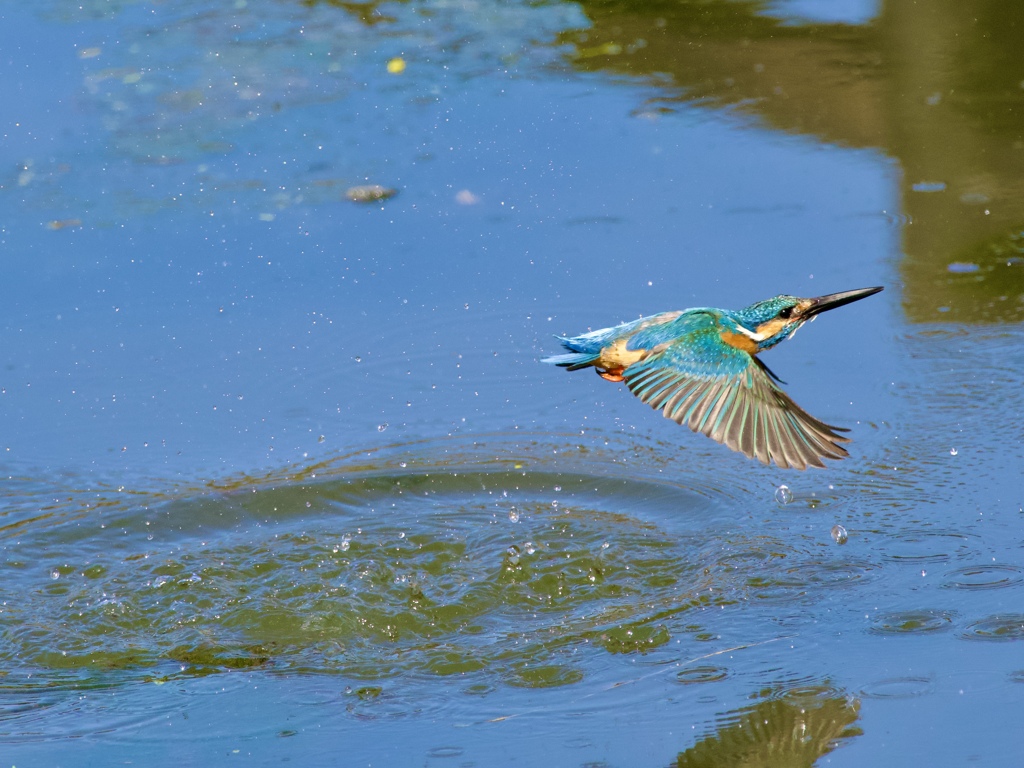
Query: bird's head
x=773, y=320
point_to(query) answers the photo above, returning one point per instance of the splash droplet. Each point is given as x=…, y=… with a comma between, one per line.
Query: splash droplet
x=839, y=534
x=382, y=427
x=55, y=574
x=783, y=495
x=513, y=515
x=346, y=542
x=513, y=555
x=952, y=451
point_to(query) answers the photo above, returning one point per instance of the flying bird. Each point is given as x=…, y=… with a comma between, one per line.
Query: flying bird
x=700, y=367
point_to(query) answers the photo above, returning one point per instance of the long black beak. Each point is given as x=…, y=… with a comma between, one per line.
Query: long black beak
x=833, y=300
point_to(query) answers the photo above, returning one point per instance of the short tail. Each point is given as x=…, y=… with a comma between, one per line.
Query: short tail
x=574, y=360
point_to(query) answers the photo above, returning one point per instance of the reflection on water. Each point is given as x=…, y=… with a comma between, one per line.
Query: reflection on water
x=791, y=729
x=394, y=563
x=937, y=87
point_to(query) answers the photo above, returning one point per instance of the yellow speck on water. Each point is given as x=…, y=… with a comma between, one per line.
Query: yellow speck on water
x=396, y=66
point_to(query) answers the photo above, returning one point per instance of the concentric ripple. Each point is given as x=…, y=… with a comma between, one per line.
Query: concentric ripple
x=928, y=546
x=912, y=622
x=985, y=576
x=898, y=688
x=1000, y=628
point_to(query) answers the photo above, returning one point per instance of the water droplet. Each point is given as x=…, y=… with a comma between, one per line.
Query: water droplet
x=382, y=427
x=513, y=515
x=309, y=504
x=839, y=534
x=345, y=542
x=529, y=547
x=605, y=545
x=783, y=495
x=55, y=574
x=359, y=359
x=403, y=464
x=952, y=451
x=321, y=439
x=558, y=487
x=513, y=555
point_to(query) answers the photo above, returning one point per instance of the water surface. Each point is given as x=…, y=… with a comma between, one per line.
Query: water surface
x=286, y=481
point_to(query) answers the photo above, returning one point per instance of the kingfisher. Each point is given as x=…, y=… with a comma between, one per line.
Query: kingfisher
x=700, y=367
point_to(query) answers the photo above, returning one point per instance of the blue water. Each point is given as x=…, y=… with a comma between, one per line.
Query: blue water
x=286, y=480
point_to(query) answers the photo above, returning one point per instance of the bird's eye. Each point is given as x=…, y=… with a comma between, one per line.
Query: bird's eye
x=786, y=313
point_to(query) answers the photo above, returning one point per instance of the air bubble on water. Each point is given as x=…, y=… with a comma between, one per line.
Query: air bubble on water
x=839, y=534
x=346, y=542
x=924, y=572
x=359, y=359
x=783, y=495
x=513, y=515
x=321, y=439
x=952, y=451
x=605, y=545
x=382, y=427
x=403, y=464
x=558, y=487
x=554, y=503
x=401, y=534
x=54, y=574
x=529, y=547
x=309, y=504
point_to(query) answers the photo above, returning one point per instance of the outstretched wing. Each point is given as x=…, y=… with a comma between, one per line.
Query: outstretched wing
x=728, y=395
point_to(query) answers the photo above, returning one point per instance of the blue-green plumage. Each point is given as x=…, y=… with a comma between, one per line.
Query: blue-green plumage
x=700, y=368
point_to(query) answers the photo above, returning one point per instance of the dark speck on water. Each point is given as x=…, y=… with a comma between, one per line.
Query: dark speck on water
x=285, y=481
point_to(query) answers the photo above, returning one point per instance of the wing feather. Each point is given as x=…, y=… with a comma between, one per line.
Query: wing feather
x=727, y=394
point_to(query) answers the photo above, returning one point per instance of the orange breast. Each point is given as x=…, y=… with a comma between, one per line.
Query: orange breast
x=740, y=341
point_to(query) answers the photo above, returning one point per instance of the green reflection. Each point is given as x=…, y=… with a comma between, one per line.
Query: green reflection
x=790, y=731
x=378, y=571
x=937, y=86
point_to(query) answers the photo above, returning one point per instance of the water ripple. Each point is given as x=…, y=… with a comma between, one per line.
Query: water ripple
x=999, y=627
x=985, y=576
x=898, y=688
x=912, y=622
